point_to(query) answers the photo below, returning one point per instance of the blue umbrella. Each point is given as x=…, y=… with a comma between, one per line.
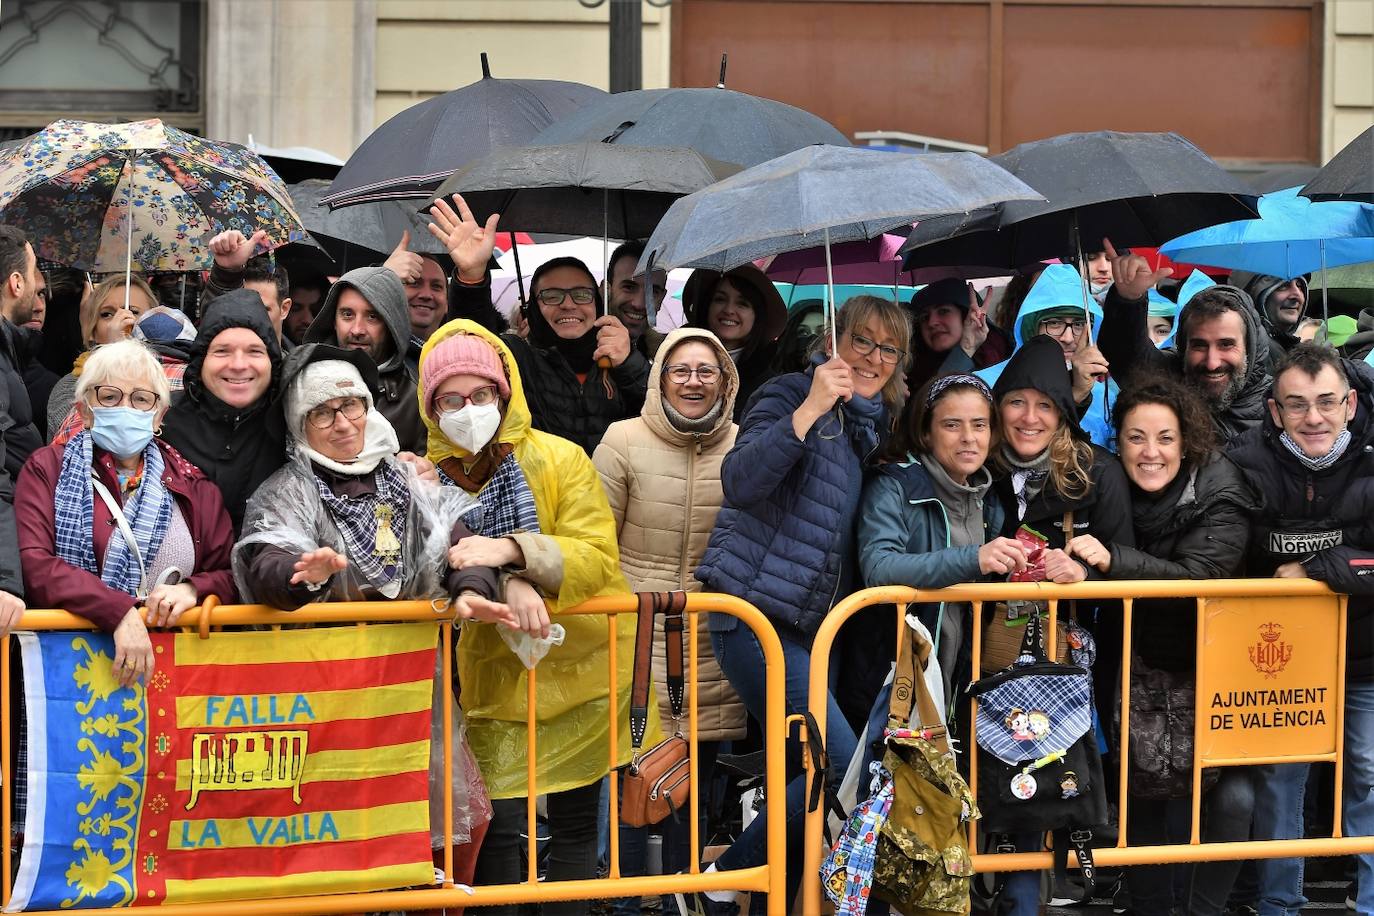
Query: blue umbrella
x=1292, y=237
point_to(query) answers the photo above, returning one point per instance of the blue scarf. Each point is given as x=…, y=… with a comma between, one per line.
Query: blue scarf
x=148, y=511
x=865, y=419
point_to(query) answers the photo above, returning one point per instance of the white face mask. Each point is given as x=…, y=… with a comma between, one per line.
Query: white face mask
x=471, y=427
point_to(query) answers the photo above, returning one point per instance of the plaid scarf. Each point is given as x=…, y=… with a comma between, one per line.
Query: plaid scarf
x=148, y=511
x=505, y=505
x=357, y=521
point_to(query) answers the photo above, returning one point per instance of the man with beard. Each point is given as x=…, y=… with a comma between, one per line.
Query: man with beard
x=1220, y=350
x=19, y=300
x=366, y=310
x=1281, y=305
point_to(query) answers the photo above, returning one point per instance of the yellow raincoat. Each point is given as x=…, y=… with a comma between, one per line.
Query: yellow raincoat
x=572, y=731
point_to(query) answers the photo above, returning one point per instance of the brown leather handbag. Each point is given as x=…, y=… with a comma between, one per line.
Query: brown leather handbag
x=657, y=781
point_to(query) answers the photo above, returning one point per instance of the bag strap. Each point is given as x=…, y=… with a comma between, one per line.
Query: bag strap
x=674, y=630
x=671, y=605
x=908, y=682
x=639, y=685
x=118, y=514
x=1081, y=839
x=1068, y=528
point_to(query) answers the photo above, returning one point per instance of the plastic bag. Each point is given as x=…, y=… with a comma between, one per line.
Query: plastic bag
x=531, y=649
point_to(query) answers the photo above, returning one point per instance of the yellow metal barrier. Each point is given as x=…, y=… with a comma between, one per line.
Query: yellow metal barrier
x=1225, y=608
x=768, y=878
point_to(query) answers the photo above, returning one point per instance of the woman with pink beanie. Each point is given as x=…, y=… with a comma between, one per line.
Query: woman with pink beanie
x=545, y=523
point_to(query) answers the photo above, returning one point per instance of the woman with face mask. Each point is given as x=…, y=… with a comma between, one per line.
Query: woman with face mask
x=1190, y=514
x=545, y=522
x=344, y=520
x=116, y=519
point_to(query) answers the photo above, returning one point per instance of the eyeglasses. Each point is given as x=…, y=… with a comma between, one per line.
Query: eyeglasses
x=888, y=354
x=322, y=417
x=479, y=397
x=682, y=374
x=553, y=295
x=1055, y=326
x=1296, y=410
x=114, y=396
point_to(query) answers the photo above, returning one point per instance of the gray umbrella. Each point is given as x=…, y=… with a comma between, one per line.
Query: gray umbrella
x=409, y=155
x=365, y=233
x=818, y=196
x=601, y=189
x=1349, y=175
x=720, y=123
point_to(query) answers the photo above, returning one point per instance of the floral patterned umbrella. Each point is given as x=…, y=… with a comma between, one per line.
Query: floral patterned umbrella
x=70, y=187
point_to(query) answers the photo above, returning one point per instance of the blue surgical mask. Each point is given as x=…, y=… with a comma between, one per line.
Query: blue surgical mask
x=122, y=431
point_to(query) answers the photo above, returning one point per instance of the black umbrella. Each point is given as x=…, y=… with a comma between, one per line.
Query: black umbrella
x=1349, y=175
x=719, y=123
x=409, y=155
x=603, y=189
x=1134, y=188
x=366, y=233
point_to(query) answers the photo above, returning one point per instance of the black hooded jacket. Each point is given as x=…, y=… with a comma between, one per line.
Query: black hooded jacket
x=1261, y=288
x=397, y=400
x=1125, y=341
x=1195, y=528
x=1104, y=511
x=1322, y=519
x=237, y=449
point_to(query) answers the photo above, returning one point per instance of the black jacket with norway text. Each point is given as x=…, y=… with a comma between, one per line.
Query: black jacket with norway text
x=1322, y=519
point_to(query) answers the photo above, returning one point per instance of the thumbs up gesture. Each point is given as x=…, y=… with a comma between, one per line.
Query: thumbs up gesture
x=404, y=263
x=232, y=250
x=1131, y=274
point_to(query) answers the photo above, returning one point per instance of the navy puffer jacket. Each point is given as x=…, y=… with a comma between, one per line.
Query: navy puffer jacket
x=784, y=538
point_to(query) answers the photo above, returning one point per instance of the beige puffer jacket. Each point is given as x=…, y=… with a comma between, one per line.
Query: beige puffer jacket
x=664, y=490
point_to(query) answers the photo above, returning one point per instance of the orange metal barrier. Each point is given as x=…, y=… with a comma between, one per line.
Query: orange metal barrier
x=768, y=878
x=1225, y=608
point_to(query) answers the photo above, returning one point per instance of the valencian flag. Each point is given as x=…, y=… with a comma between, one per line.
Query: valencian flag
x=255, y=764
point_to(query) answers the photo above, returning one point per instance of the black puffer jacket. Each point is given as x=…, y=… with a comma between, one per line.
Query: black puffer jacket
x=237, y=449
x=1323, y=519
x=1195, y=528
x=1126, y=343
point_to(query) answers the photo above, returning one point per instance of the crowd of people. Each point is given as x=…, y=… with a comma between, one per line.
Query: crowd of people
x=394, y=436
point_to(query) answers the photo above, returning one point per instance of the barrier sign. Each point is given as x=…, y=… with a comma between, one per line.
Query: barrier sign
x=253, y=764
x=1269, y=678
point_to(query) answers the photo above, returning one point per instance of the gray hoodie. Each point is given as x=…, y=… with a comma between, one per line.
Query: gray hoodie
x=383, y=291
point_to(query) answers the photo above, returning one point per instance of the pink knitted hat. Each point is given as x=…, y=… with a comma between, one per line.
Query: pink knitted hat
x=461, y=354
